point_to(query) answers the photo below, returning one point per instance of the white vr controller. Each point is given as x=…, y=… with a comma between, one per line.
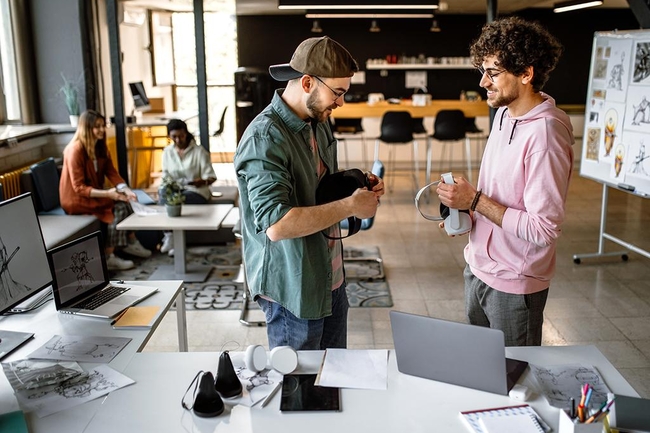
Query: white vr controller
x=457, y=223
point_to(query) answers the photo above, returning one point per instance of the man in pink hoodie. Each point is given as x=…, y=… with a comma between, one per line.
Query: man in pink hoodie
x=518, y=205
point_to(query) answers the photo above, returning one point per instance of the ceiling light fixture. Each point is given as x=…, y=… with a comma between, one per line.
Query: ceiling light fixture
x=316, y=28
x=374, y=28
x=376, y=16
x=357, y=4
x=575, y=4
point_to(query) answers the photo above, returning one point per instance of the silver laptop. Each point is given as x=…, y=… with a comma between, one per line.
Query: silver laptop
x=80, y=282
x=455, y=353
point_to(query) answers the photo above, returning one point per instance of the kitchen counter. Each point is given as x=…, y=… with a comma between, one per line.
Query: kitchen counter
x=363, y=109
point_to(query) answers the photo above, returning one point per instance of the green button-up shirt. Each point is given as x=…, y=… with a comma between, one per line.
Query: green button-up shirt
x=276, y=172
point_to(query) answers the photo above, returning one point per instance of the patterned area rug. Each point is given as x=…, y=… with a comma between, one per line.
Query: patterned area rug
x=367, y=286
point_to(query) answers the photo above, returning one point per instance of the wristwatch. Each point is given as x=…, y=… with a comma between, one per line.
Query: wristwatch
x=120, y=187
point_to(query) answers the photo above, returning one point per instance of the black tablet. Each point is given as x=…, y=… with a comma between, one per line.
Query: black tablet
x=300, y=394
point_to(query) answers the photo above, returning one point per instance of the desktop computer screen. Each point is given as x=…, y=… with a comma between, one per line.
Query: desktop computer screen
x=24, y=270
x=140, y=99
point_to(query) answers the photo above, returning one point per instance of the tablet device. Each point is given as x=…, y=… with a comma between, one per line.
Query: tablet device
x=300, y=394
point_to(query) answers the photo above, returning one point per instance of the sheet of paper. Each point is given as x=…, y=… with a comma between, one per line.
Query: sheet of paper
x=256, y=386
x=140, y=209
x=361, y=369
x=81, y=349
x=48, y=400
x=558, y=383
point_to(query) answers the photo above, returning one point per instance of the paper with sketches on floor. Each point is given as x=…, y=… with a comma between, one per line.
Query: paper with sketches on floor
x=349, y=368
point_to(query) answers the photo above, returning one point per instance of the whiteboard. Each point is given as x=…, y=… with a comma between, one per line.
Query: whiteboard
x=616, y=146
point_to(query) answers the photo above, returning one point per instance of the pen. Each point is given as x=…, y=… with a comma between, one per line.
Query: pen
x=597, y=414
x=272, y=393
x=119, y=316
x=573, y=407
x=588, y=398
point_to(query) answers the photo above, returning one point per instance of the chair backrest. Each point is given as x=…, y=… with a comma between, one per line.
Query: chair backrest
x=418, y=126
x=222, y=122
x=45, y=176
x=449, y=125
x=347, y=126
x=470, y=125
x=396, y=127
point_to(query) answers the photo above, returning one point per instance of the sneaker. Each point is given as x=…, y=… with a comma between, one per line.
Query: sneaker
x=135, y=248
x=167, y=243
x=171, y=253
x=115, y=263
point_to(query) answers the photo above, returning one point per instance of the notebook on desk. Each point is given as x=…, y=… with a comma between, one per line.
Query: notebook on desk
x=80, y=280
x=455, y=353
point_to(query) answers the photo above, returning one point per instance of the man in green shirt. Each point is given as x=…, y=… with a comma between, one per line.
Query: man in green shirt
x=294, y=272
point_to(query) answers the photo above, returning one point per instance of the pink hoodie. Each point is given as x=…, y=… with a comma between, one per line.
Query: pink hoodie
x=526, y=167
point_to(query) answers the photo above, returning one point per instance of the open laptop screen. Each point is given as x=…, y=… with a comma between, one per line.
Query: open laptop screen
x=78, y=269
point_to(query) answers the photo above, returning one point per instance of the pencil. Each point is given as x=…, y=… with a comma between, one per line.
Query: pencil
x=272, y=393
x=119, y=316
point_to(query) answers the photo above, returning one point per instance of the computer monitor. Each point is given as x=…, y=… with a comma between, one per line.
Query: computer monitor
x=24, y=270
x=140, y=100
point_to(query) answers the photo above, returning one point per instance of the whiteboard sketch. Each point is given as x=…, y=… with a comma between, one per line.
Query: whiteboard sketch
x=637, y=109
x=619, y=157
x=641, y=62
x=48, y=400
x=81, y=349
x=559, y=383
x=618, y=69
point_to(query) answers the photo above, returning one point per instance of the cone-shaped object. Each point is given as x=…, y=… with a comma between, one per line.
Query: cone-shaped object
x=227, y=383
x=208, y=403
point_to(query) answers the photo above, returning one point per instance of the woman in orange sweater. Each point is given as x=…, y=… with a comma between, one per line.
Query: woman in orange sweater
x=86, y=165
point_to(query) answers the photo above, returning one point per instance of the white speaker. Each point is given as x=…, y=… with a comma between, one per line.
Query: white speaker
x=255, y=358
x=284, y=359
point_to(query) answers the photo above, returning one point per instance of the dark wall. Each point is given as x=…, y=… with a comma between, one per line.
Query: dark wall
x=266, y=40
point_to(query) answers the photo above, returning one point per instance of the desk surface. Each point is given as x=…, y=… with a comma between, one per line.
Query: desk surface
x=193, y=217
x=363, y=109
x=409, y=404
x=45, y=322
x=161, y=119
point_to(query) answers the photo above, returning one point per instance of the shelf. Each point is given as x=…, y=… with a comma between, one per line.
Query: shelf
x=412, y=66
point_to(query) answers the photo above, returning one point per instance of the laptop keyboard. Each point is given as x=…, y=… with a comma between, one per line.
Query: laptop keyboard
x=111, y=292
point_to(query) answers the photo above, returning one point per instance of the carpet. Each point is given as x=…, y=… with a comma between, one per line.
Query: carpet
x=367, y=286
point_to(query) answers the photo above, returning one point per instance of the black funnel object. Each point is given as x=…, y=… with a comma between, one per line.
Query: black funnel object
x=227, y=383
x=207, y=403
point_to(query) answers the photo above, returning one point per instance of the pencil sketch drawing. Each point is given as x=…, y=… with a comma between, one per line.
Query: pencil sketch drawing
x=77, y=265
x=9, y=288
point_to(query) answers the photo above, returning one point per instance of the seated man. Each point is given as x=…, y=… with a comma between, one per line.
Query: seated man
x=190, y=165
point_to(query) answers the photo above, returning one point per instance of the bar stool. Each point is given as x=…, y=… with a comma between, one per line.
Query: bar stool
x=350, y=129
x=397, y=129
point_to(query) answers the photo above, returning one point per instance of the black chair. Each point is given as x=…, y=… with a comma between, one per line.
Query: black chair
x=418, y=126
x=350, y=129
x=475, y=133
x=218, y=133
x=45, y=178
x=397, y=129
x=449, y=126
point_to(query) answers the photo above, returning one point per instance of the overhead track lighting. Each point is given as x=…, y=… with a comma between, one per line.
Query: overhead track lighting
x=374, y=27
x=378, y=16
x=575, y=4
x=316, y=28
x=357, y=4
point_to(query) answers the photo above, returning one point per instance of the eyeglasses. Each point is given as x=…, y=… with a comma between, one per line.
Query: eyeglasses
x=491, y=72
x=336, y=94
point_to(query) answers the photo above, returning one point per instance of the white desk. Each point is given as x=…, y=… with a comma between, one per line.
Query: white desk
x=193, y=217
x=410, y=404
x=45, y=322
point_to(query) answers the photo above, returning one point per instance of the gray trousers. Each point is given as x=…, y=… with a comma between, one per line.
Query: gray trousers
x=520, y=317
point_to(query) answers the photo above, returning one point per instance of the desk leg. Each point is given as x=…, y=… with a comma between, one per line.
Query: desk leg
x=179, y=252
x=181, y=271
x=181, y=321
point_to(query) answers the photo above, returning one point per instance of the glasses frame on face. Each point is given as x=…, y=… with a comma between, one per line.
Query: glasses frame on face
x=337, y=95
x=491, y=75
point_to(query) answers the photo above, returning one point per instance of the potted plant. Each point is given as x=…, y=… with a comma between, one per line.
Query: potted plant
x=71, y=100
x=172, y=192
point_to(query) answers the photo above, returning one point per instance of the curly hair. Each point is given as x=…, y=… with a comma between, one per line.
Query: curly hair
x=518, y=44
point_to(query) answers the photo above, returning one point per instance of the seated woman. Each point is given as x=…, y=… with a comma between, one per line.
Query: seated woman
x=190, y=165
x=86, y=164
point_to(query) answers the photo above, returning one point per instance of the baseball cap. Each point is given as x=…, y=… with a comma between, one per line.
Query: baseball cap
x=322, y=57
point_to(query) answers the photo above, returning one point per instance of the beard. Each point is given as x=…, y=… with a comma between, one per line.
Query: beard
x=501, y=99
x=314, y=106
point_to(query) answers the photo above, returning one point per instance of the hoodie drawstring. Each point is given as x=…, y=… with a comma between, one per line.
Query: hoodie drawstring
x=512, y=133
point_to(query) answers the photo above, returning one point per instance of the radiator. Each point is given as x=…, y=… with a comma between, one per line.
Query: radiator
x=11, y=182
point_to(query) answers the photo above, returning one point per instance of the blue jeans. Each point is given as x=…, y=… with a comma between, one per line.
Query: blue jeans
x=285, y=329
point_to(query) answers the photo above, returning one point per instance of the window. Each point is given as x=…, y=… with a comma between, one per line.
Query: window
x=9, y=100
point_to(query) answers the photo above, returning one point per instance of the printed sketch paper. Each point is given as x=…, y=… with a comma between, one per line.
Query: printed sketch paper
x=81, y=349
x=48, y=400
x=558, y=383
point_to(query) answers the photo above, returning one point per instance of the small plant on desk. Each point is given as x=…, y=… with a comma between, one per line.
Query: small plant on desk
x=173, y=195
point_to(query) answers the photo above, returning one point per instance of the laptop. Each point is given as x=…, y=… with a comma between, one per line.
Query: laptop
x=456, y=353
x=80, y=281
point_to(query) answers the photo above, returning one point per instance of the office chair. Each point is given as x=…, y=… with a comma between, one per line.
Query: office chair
x=366, y=223
x=397, y=129
x=449, y=126
x=218, y=133
x=350, y=129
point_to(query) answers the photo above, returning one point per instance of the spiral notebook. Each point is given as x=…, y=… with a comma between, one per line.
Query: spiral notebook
x=505, y=419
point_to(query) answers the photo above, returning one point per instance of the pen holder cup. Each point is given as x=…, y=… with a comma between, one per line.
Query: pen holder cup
x=566, y=425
